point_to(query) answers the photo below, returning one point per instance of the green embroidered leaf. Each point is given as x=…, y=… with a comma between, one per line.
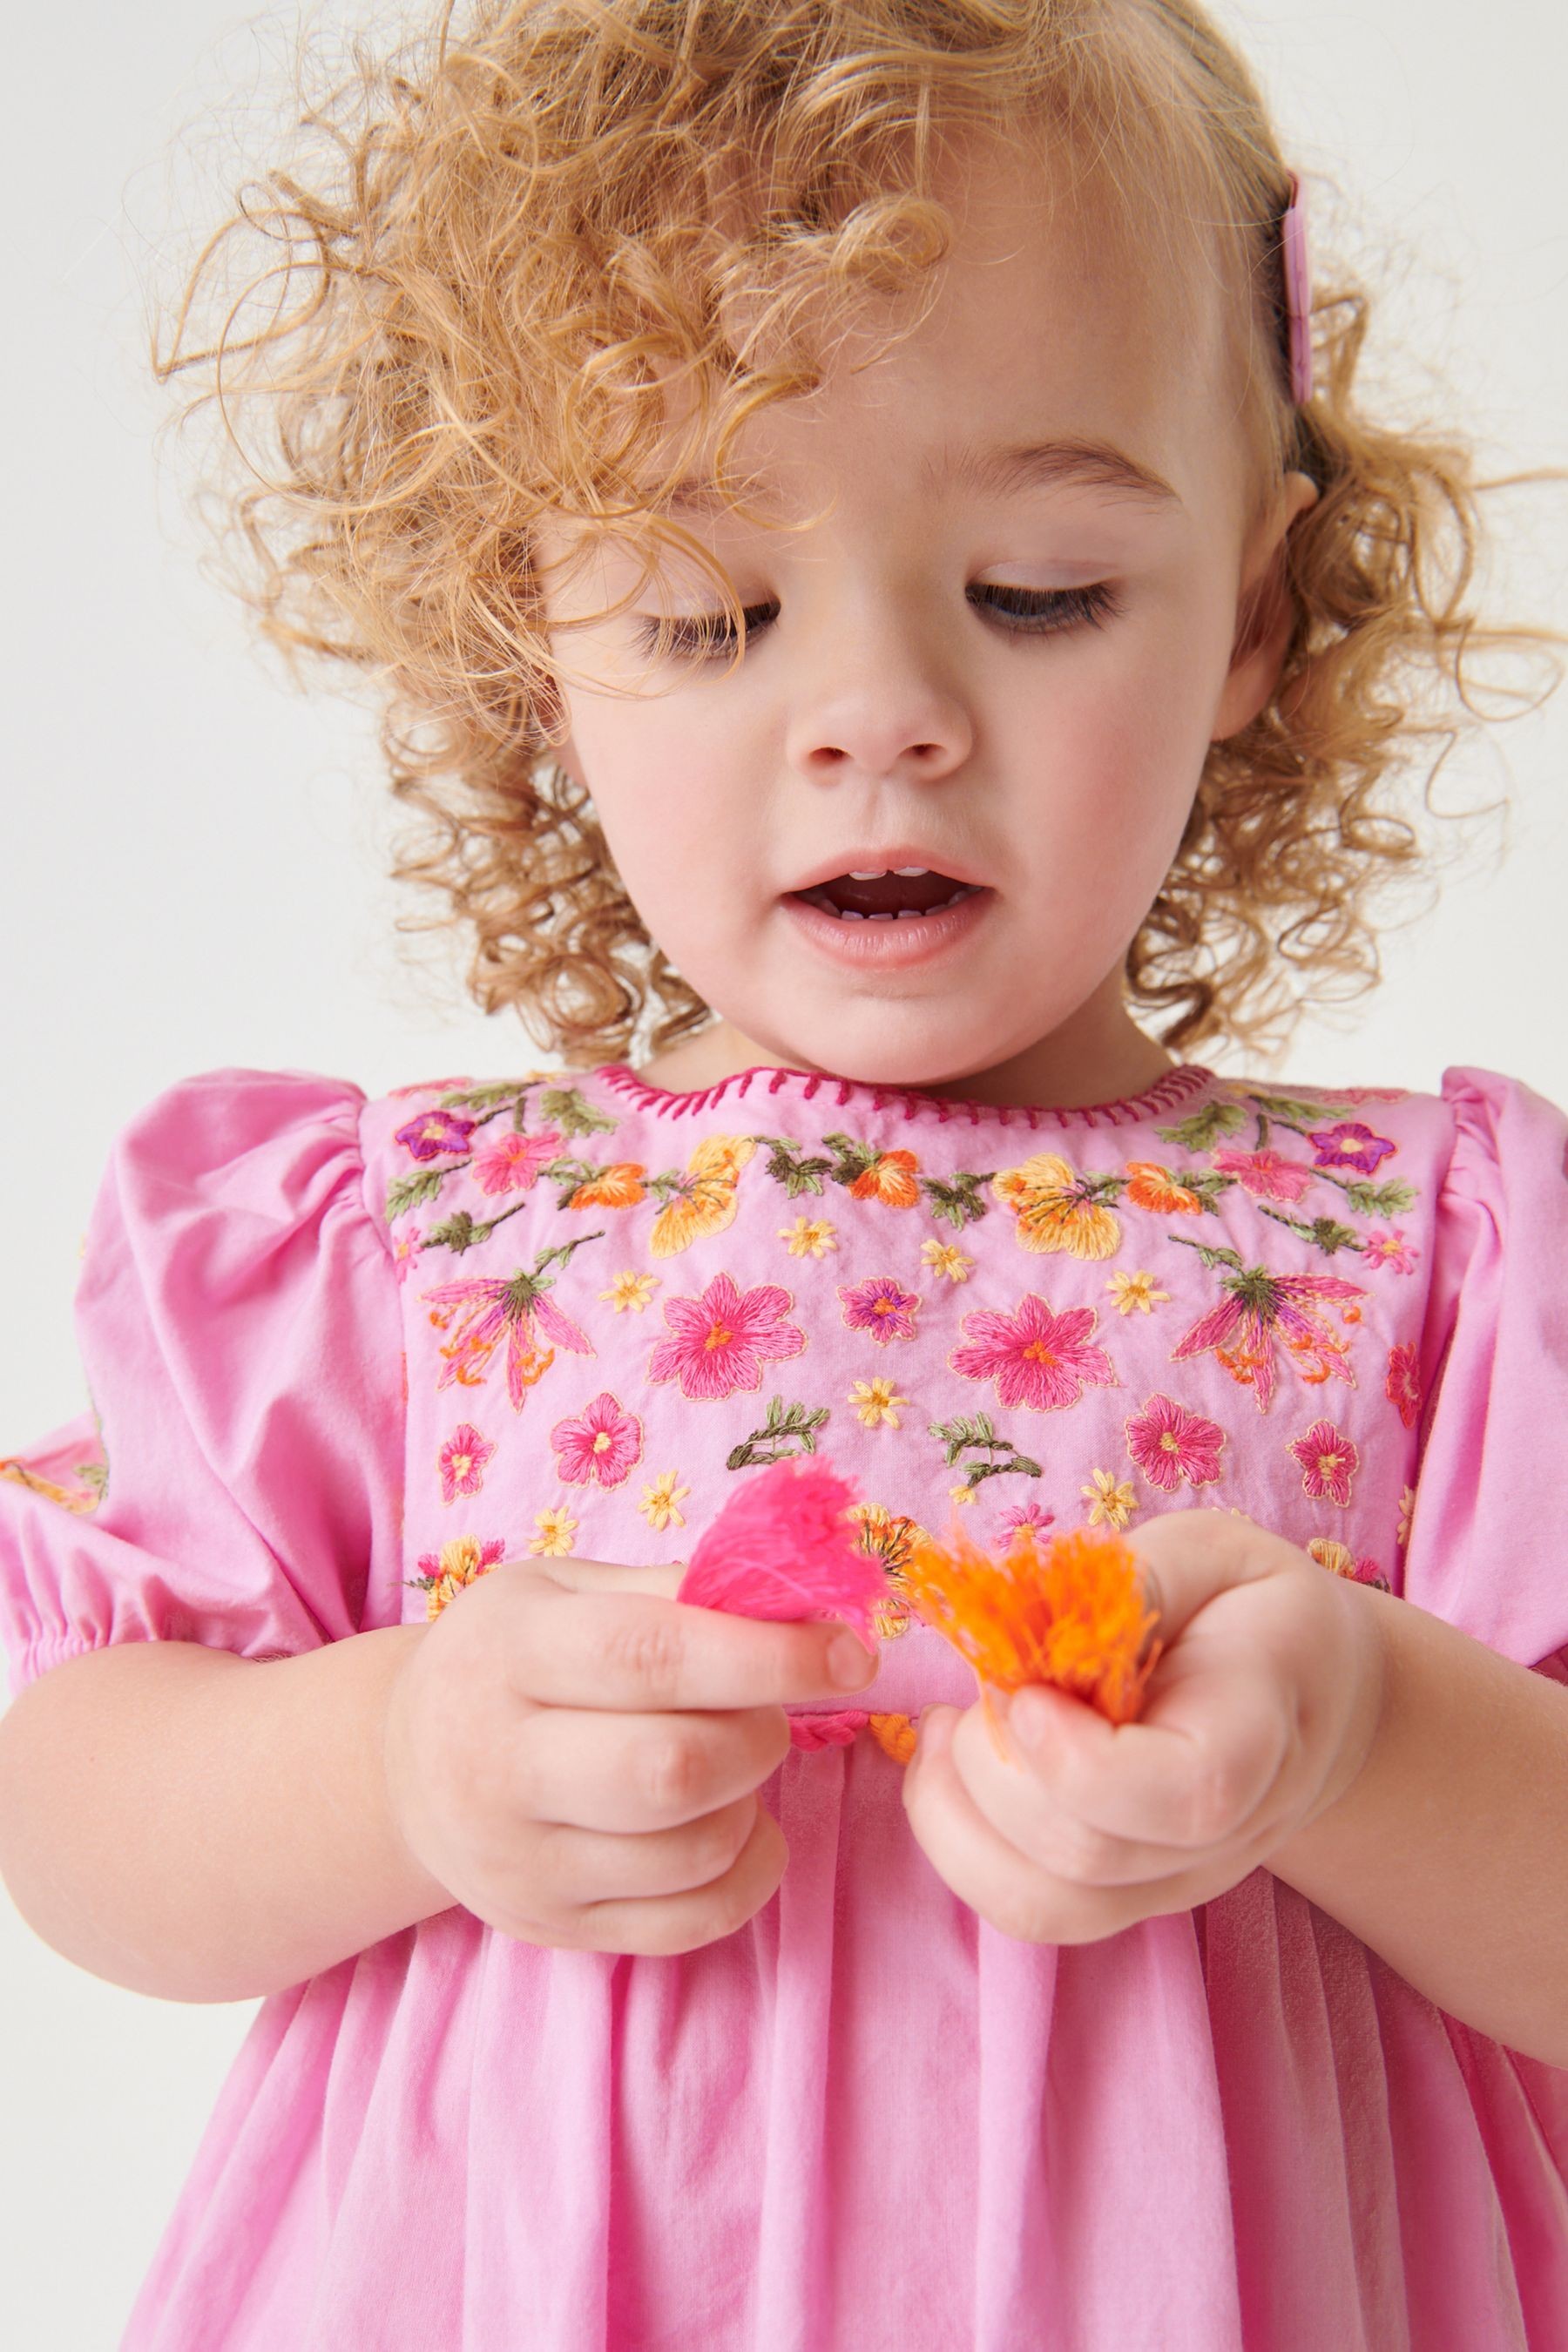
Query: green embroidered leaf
x=797, y=1175
x=1211, y=1254
x=1325, y=1232
x=1380, y=1199
x=977, y=1471
x=956, y=1201
x=773, y=1442
x=1293, y=1112
x=853, y=1159
x=407, y=1191
x=479, y=1097
x=567, y=1108
x=459, y=1233
x=1197, y=1133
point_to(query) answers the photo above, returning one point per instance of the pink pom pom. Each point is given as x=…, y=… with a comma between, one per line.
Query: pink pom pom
x=783, y=1548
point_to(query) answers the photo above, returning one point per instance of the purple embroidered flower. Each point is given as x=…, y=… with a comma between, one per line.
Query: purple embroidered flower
x=1349, y=1144
x=434, y=1132
x=881, y=1306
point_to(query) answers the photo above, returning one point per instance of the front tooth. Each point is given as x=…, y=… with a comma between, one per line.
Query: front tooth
x=885, y=917
x=848, y=915
x=871, y=874
x=909, y=871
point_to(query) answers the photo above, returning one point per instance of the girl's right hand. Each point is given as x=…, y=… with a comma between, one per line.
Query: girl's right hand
x=574, y=1755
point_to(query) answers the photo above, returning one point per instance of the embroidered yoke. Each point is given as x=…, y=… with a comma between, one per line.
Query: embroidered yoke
x=347, y=1355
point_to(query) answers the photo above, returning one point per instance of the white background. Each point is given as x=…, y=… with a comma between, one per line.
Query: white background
x=190, y=854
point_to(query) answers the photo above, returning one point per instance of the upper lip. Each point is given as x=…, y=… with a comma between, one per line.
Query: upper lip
x=885, y=861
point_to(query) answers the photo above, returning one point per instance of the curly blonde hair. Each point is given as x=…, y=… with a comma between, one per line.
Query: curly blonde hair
x=456, y=313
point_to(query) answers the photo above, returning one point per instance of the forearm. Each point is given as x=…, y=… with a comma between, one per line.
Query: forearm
x=204, y=1827
x=1449, y=1853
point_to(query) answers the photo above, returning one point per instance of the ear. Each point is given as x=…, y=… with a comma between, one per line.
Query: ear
x=1263, y=613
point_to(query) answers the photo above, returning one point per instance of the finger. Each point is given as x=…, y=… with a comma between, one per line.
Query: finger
x=597, y=1637
x=634, y=1773
x=1019, y=1897
x=573, y=1867
x=1198, y=1767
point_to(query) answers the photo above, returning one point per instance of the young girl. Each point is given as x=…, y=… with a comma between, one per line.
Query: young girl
x=879, y=570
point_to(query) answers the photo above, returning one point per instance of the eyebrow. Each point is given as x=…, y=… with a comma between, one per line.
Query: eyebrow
x=1002, y=469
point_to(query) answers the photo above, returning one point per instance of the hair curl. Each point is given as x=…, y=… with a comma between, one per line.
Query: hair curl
x=457, y=311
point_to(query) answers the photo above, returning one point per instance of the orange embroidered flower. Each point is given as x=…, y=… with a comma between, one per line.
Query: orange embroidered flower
x=1154, y=1187
x=1058, y=1208
x=701, y=1199
x=618, y=1186
x=889, y=1178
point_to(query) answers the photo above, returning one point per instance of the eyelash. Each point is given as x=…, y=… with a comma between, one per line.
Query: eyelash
x=1066, y=608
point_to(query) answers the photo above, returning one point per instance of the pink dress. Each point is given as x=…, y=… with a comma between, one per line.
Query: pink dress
x=345, y=1353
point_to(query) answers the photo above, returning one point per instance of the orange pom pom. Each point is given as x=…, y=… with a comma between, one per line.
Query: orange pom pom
x=1076, y=1613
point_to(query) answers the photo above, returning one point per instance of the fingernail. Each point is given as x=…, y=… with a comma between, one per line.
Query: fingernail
x=849, y=1664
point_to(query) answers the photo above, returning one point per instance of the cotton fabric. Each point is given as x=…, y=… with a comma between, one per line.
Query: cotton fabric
x=346, y=1353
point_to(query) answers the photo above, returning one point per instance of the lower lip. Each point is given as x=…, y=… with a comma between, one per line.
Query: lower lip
x=890, y=946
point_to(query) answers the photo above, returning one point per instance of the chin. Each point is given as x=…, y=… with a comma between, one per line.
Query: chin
x=904, y=1054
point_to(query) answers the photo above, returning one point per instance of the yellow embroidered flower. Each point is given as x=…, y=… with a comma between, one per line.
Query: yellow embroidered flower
x=702, y=1200
x=1406, y=1511
x=556, y=1530
x=965, y=1494
x=1057, y=1208
x=1135, y=1290
x=630, y=1289
x=886, y=1535
x=874, y=1401
x=1110, y=1499
x=659, y=1500
x=1337, y=1557
x=457, y=1564
x=809, y=1236
x=946, y=1257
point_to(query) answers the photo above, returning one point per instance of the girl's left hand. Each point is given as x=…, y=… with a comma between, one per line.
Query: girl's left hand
x=1258, y=1717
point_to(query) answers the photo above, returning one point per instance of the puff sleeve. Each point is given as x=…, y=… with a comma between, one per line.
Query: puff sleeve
x=239, y=1325
x=1488, y=1547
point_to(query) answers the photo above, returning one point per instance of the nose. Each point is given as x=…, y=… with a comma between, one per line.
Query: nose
x=873, y=702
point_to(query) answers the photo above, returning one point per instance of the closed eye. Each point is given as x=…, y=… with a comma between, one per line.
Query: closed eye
x=1021, y=612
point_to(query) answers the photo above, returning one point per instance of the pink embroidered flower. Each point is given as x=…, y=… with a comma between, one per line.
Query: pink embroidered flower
x=723, y=1338
x=1038, y=1360
x=1266, y=1174
x=512, y=1161
x=1329, y=1462
x=1169, y=1445
x=1349, y=1144
x=434, y=1132
x=1391, y=1248
x=493, y=1309
x=463, y=1460
x=1024, y=1515
x=600, y=1444
x=1261, y=1309
x=1402, y=1386
x=881, y=1306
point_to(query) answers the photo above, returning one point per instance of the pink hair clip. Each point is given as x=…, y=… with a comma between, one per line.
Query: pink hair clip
x=1298, y=292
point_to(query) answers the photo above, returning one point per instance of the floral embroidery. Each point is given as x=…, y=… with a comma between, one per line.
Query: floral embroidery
x=435, y=1133
x=876, y=1404
x=1111, y=1501
x=616, y=1185
x=443, y=1574
x=556, y=1530
x=1329, y=1462
x=659, y=1499
x=701, y=1200
x=723, y=1338
x=1265, y=1173
x=888, y=1177
x=462, y=1461
x=1403, y=1385
x=513, y=1161
x=809, y=1237
x=602, y=1444
x=963, y=1494
x=887, y=1537
x=976, y=1433
x=1392, y=1249
x=1171, y=1444
x=1059, y=1208
x=1038, y=1360
x=630, y=1289
x=1351, y=1145
x=1024, y=1515
x=1258, y=1310
x=947, y=1259
x=788, y=1430
x=1138, y=1290
x=881, y=1306
x=1340, y=1561
x=1406, y=1512
x=1151, y=1186
x=516, y=1310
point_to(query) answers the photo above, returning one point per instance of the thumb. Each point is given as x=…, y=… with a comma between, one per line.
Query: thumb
x=1189, y=1558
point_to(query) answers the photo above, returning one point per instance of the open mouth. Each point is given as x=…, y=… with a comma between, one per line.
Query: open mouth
x=899, y=895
